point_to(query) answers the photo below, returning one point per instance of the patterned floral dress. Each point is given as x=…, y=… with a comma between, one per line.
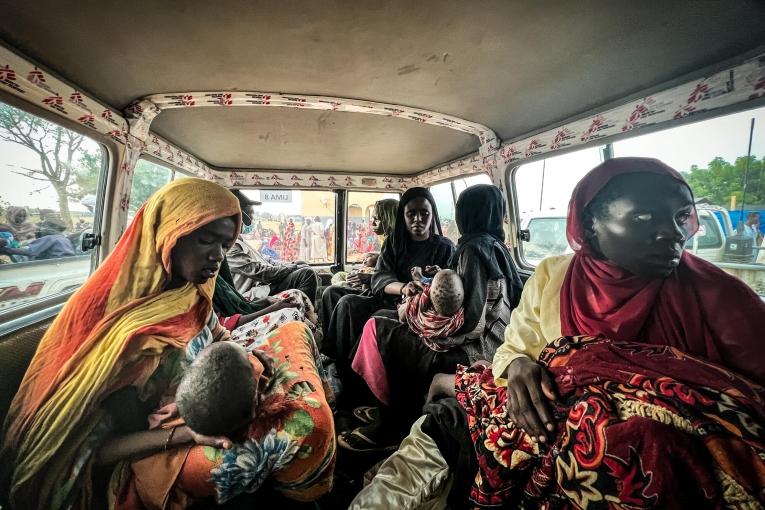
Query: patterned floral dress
x=292, y=442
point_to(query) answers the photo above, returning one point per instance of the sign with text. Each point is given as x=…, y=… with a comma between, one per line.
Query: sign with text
x=281, y=196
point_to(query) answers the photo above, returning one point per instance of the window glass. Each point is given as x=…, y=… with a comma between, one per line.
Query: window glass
x=543, y=189
x=547, y=238
x=148, y=177
x=359, y=236
x=711, y=154
x=446, y=195
x=293, y=225
x=50, y=179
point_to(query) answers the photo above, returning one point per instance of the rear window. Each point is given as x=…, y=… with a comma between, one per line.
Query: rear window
x=293, y=225
x=50, y=178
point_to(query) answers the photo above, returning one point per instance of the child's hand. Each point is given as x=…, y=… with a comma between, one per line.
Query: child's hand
x=411, y=289
x=214, y=441
x=431, y=270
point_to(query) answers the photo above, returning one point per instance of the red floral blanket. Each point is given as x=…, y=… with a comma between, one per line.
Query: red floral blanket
x=638, y=426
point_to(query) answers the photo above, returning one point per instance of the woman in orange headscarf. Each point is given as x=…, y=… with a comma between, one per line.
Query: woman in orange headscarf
x=144, y=312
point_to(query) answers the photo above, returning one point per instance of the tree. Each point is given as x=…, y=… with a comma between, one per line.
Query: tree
x=55, y=146
x=86, y=175
x=721, y=180
x=147, y=178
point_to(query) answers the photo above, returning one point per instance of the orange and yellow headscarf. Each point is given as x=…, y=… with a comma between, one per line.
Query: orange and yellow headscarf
x=109, y=335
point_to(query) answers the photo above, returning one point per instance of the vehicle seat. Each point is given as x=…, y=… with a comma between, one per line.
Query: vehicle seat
x=16, y=351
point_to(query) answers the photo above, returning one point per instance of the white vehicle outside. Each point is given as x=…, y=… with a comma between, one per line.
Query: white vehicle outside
x=24, y=282
x=546, y=233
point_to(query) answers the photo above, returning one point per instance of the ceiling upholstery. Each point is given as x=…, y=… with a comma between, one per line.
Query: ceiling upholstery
x=514, y=66
x=285, y=138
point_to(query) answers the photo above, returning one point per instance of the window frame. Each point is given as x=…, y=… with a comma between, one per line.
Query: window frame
x=455, y=196
x=510, y=170
x=44, y=308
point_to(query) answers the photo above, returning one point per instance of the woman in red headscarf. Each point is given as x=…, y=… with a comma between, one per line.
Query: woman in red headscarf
x=630, y=376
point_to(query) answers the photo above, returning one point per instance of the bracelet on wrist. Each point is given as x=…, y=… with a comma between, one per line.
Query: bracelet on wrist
x=170, y=437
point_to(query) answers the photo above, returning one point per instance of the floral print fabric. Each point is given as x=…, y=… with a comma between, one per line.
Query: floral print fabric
x=638, y=426
x=291, y=441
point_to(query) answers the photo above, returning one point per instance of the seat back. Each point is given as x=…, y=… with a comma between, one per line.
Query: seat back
x=16, y=351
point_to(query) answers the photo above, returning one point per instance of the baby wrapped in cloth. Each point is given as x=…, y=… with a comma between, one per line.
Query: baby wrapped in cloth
x=437, y=311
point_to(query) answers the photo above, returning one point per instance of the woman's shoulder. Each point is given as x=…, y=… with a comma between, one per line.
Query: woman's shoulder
x=552, y=268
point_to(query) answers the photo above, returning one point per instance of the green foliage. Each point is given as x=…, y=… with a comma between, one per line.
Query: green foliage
x=721, y=180
x=147, y=178
x=86, y=175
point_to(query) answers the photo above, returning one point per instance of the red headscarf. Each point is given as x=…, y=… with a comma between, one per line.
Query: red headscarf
x=699, y=309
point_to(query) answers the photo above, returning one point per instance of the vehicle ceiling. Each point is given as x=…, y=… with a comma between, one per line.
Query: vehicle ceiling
x=513, y=66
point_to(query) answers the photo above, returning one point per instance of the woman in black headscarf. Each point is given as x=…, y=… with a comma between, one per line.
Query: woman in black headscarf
x=398, y=366
x=383, y=223
x=416, y=241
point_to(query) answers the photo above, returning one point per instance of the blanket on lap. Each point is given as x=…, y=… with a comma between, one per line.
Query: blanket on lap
x=638, y=426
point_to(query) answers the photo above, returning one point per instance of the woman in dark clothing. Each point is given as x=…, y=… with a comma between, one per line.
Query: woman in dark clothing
x=383, y=222
x=398, y=366
x=416, y=241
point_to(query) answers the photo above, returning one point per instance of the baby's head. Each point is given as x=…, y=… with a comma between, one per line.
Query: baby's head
x=447, y=292
x=370, y=259
x=216, y=396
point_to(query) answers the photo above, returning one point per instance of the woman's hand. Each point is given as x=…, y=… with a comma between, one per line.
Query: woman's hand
x=529, y=387
x=358, y=280
x=442, y=385
x=411, y=289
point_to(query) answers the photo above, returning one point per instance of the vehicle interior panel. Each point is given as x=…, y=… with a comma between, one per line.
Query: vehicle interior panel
x=462, y=60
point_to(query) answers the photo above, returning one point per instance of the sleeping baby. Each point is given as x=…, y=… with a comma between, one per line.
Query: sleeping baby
x=437, y=312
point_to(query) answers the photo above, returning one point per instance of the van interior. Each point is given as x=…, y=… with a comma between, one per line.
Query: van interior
x=318, y=109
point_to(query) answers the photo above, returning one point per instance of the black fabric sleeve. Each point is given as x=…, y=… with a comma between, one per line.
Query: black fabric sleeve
x=385, y=271
x=474, y=280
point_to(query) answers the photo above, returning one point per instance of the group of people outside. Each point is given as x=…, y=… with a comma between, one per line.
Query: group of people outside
x=627, y=374
x=24, y=241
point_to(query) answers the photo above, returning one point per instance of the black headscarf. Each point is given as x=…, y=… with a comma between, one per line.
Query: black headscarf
x=400, y=239
x=480, y=214
x=400, y=253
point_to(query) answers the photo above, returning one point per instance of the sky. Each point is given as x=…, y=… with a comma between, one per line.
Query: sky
x=680, y=147
x=21, y=190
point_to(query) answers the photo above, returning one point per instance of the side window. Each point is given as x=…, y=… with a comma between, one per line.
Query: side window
x=148, y=177
x=543, y=189
x=730, y=198
x=293, y=225
x=711, y=154
x=446, y=195
x=360, y=238
x=50, y=179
